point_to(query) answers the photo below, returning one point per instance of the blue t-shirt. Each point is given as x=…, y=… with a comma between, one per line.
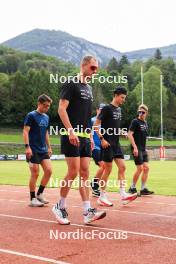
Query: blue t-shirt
x=39, y=124
x=96, y=139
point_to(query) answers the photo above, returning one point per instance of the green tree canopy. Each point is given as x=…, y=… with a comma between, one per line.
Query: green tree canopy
x=152, y=97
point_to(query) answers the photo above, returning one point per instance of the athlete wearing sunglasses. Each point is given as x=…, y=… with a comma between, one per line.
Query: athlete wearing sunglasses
x=137, y=135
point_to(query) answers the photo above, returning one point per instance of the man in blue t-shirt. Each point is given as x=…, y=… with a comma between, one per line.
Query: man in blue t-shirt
x=97, y=157
x=38, y=148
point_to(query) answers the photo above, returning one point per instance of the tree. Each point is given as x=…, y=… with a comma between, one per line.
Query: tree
x=170, y=124
x=168, y=69
x=128, y=71
x=12, y=61
x=152, y=98
x=113, y=65
x=123, y=61
x=158, y=55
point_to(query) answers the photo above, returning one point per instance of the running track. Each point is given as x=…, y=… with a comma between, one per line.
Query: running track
x=150, y=223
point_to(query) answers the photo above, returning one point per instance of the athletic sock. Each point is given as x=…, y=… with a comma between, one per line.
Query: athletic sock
x=95, y=180
x=142, y=186
x=133, y=185
x=95, y=184
x=62, y=202
x=122, y=188
x=102, y=193
x=32, y=195
x=122, y=191
x=86, y=206
x=40, y=189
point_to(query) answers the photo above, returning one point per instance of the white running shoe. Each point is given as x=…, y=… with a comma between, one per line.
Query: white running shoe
x=127, y=198
x=103, y=201
x=61, y=215
x=36, y=203
x=41, y=198
x=92, y=215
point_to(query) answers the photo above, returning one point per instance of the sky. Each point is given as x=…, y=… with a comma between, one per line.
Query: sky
x=124, y=25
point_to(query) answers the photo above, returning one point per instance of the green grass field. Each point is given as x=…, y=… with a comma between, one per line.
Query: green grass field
x=162, y=174
x=18, y=138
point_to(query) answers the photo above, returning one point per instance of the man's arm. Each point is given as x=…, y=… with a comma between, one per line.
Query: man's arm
x=63, y=104
x=96, y=128
x=131, y=139
x=28, y=150
x=48, y=144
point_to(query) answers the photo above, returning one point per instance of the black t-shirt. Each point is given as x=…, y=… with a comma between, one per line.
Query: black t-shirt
x=140, y=129
x=80, y=100
x=110, y=117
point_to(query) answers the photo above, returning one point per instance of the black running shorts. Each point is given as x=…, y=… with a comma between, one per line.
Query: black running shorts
x=141, y=158
x=37, y=158
x=112, y=152
x=69, y=150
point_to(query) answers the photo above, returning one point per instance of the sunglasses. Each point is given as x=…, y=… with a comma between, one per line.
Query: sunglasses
x=93, y=68
x=142, y=112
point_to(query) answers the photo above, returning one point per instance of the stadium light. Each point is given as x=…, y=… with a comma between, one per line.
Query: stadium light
x=162, y=148
x=142, y=85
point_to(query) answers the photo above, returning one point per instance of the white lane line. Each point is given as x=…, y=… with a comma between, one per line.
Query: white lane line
x=72, y=196
x=106, y=209
x=93, y=227
x=133, y=212
x=32, y=256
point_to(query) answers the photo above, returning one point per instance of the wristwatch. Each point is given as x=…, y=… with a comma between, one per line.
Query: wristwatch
x=101, y=138
x=26, y=145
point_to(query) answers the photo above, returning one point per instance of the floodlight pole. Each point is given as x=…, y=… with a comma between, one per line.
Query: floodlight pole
x=161, y=105
x=142, y=85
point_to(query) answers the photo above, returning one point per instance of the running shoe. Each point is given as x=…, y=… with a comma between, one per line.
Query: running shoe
x=132, y=190
x=36, y=203
x=95, y=189
x=93, y=215
x=41, y=199
x=96, y=193
x=103, y=201
x=61, y=215
x=128, y=198
x=145, y=191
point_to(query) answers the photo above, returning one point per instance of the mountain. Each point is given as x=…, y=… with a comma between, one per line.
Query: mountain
x=61, y=45
x=144, y=54
x=71, y=49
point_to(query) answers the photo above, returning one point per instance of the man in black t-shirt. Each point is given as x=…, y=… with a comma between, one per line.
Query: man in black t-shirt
x=76, y=140
x=138, y=132
x=109, y=120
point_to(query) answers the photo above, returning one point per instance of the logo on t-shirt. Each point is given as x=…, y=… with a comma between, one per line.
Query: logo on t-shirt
x=43, y=123
x=117, y=115
x=86, y=94
x=143, y=127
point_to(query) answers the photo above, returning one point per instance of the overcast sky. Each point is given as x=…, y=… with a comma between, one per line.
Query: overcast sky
x=124, y=25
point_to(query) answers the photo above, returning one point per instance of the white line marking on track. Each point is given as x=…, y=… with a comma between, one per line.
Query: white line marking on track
x=72, y=196
x=32, y=256
x=106, y=209
x=93, y=227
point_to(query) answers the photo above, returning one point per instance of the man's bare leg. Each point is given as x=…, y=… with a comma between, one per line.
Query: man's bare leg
x=47, y=169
